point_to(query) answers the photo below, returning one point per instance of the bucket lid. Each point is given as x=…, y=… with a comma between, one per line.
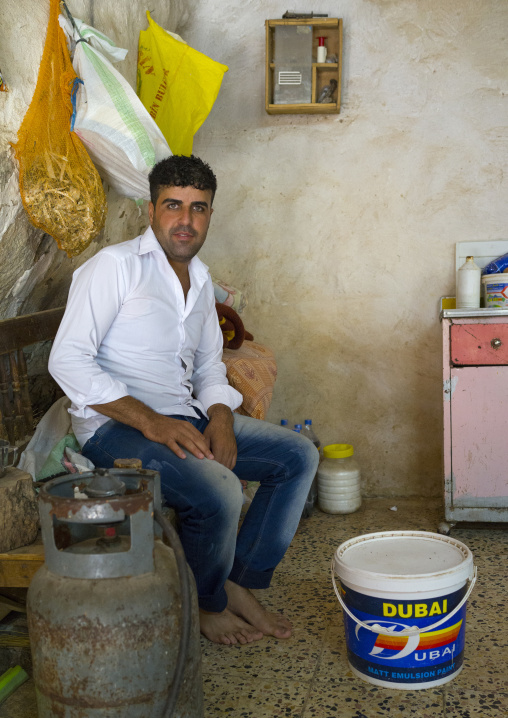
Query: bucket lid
x=338, y=451
x=403, y=561
x=495, y=278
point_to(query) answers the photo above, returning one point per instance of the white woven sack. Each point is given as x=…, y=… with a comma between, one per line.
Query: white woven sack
x=122, y=139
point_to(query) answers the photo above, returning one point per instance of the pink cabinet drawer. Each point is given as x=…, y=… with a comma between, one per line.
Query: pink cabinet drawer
x=478, y=344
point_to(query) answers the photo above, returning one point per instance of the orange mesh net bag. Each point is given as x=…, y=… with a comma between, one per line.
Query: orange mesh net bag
x=60, y=188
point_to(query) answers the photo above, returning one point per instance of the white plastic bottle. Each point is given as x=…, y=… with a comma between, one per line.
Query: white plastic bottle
x=339, y=490
x=308, y=431
x=321, y=50
x=468, y=285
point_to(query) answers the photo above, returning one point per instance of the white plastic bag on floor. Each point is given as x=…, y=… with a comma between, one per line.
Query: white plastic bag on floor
x=121, y=138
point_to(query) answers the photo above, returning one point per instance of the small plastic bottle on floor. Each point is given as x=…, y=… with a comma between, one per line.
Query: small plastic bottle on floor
x=308, y=431
x=311, y=500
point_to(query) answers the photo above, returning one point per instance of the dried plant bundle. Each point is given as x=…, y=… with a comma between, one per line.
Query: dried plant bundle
x=68, y=206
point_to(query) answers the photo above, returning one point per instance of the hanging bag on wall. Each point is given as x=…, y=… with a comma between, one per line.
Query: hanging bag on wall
x=122, y=139
x=60, y=187
x=177, y=84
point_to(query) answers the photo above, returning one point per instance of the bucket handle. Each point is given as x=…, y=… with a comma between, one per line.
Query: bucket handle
x=410, y=630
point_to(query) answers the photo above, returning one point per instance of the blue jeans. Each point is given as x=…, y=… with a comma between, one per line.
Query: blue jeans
x=208, y=498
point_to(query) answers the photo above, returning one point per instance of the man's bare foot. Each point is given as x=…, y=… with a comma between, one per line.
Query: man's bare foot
x=227, y=628
x=243, y=603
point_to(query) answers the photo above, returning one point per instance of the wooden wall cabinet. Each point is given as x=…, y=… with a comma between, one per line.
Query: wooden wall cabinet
x=322, y=73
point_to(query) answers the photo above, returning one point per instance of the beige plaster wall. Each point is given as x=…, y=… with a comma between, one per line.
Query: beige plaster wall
x=342, y=229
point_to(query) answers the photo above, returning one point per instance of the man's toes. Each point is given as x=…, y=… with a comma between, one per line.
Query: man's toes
x=253, y=635
x=282, y=632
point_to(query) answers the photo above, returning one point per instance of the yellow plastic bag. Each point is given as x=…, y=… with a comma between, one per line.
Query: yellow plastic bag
x=59, y=185
x=177, y=84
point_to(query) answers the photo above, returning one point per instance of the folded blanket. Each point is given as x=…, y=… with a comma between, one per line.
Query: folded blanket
x=226, y=294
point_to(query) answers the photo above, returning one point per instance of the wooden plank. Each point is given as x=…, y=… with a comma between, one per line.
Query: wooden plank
x=268, y=66
x=18, y=567
x=327, y=22
x=339, y=73
x=22, y=331
x=303, y=109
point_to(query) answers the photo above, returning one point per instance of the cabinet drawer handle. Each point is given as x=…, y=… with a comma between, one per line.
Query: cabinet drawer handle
x=496, y=343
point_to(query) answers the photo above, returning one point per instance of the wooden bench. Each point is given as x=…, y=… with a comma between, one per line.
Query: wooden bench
x=16, y=413
x=18, y=565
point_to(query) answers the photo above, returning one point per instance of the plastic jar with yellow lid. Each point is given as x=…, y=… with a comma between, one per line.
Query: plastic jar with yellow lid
x=339, y=489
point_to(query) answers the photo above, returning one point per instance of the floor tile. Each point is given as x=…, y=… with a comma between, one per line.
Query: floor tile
x=481, y=672
x=333, y=663
x=475, y=704
x=354, y=698
x=293, y=658
x=237, y=697
x=20, y=704
x=487, y=607
x=489, y=547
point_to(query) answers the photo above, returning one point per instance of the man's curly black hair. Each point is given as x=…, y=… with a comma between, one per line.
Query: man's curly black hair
x=181, y=171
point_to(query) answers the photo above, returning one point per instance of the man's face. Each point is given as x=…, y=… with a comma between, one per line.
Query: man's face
x=180, y=221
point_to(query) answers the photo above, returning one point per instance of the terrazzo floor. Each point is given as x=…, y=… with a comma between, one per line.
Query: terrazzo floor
x=308, y=674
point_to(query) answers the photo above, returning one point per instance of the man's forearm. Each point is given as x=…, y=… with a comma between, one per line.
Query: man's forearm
x=128, y=410
x=221, y=434
x=220, y=412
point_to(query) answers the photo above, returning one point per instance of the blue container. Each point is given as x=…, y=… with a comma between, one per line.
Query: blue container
x=404, y=597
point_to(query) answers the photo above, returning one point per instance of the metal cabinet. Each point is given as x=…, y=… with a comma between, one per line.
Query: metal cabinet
x=475, y=411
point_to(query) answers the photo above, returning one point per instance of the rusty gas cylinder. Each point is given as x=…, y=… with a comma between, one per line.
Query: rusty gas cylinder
x=105, y=611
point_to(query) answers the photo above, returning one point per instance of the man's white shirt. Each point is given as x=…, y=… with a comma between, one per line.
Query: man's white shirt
x=128, y=331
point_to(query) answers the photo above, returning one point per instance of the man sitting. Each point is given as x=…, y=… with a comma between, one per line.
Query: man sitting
x=138, y=353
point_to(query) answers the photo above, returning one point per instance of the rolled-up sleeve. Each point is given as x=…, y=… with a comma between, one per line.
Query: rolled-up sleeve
x=95, y=298
x=209, y=377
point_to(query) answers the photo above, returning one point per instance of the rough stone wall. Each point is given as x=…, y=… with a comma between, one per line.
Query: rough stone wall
x=34, y=273
x=342, y=228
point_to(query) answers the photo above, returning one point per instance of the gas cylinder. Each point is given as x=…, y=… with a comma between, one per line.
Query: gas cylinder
x=112, y=614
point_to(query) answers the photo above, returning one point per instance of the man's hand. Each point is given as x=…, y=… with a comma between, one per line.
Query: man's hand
x=177, y=433
x=220, y=435
x=174, y=433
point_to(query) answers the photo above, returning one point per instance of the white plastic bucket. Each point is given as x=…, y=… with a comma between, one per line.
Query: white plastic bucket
x=404, y=597
x=495, y=290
